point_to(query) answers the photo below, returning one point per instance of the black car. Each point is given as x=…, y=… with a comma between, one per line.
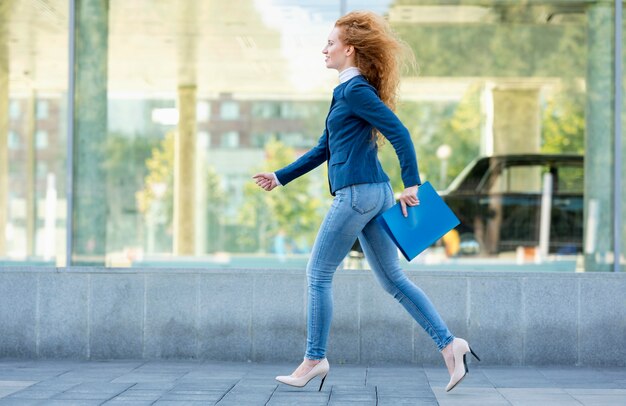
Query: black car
x=498, y=200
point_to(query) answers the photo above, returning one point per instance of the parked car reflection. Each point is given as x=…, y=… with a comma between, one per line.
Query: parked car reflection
x=498, y=200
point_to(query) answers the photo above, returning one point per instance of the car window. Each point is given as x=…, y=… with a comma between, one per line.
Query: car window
x=566, y=178
x=570, y=179
x=518, y=179
x=469, y=179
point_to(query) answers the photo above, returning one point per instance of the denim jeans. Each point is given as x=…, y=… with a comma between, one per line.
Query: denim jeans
x=351, y=215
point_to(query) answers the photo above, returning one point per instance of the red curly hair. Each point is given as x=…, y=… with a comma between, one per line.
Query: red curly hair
x=379, y=53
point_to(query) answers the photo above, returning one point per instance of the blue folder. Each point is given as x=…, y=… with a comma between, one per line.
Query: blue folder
x=425, y=224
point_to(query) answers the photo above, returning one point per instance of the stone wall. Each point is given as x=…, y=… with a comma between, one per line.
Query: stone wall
x=510, y=318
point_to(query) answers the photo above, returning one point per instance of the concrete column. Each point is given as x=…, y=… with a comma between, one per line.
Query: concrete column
x=598, y=211
x=516, y=129
x=201, y=194
x=517, y=126
x=30, y=129
x=90, y=129
x=184, y=172
x=516, y=120
x=4, y=125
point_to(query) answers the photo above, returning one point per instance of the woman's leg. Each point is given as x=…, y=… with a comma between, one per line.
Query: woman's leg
x=382, y=256
x=352, y=208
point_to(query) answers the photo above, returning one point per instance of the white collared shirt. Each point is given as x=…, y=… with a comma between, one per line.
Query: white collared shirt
x=348, y=74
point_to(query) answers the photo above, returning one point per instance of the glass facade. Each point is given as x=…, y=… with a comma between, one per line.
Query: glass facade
x=173, y=106
x=33, y=133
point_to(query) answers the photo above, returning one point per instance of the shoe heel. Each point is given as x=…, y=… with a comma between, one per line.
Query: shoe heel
x=474, y=354
x=322, y=384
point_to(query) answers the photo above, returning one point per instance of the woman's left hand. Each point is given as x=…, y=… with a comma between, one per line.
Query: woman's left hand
x=408, y=197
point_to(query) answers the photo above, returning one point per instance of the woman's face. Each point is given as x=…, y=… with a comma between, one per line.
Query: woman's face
x=336, y=52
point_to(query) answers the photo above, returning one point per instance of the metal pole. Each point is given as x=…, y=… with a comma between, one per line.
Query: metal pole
x=343, y=7
x=544, y=219
x=69, y=186
x=617, y=150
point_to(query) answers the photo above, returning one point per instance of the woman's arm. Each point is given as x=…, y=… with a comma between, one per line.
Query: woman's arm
x=365, y=103
x=307, y=162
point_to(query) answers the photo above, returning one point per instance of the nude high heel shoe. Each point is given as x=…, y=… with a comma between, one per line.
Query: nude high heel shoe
x=460, y=348
x=321, y=369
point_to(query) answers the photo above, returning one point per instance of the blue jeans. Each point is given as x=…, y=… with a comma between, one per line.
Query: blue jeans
x=351, y=215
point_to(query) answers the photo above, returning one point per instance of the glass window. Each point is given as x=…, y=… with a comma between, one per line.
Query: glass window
x=33, y=54
x=518, y=179
x=259, y=140
x=266, y=109
x=41, y=139
x=294, y=139
x=229, y=110
x=569, y=179
x=14, y=140
x=498, y=82
x=42, y=170
x=204, y=140
x=14, y=109
x=203, y=111
x=230, y=139
x=42, y=109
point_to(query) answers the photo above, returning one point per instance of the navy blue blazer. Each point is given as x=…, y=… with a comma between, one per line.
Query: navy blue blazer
x=347, y=143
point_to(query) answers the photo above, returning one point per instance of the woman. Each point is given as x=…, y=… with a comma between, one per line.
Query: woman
x=362, y=48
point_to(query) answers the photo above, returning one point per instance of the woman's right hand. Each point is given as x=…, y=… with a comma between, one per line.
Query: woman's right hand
x=266, y=180
x=408, y=197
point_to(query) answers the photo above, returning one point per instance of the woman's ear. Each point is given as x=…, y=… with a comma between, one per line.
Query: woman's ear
x=350, y=50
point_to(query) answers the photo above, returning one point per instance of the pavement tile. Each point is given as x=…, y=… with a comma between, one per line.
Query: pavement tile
x=8, y=387
x=84, y=396
x=395, y=391
x=135, y=377
x=243, y=387
x=353, y=397
x=70, y=383
x=200, y=398
x=34, y=394
x=515, y=377
x=244, y=400
x=68, y=402
x=601, y=400
x=538, y=396
x=22, y=384
x=462, y=395
x=19, y=402
x=54, y=384
x=401, y=401
x=157, y=386
x=304, y=396
x=103, y=387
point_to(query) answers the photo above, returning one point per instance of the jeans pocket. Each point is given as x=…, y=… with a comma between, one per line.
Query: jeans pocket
x=364, y=197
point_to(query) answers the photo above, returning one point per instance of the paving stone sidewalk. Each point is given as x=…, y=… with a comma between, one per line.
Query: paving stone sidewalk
x=69, y=383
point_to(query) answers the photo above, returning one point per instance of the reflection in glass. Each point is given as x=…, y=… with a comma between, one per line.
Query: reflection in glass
x=33, y=80
x=189, y=99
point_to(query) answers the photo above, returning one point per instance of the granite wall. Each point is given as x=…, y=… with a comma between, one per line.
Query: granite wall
x=509, y=318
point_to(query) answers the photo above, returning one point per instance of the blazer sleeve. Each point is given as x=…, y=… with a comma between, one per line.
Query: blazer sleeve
x=365, y=103
x=307, y=162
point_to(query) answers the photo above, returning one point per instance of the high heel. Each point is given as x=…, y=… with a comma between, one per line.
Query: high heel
x=460, y=348
x=320, y=369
